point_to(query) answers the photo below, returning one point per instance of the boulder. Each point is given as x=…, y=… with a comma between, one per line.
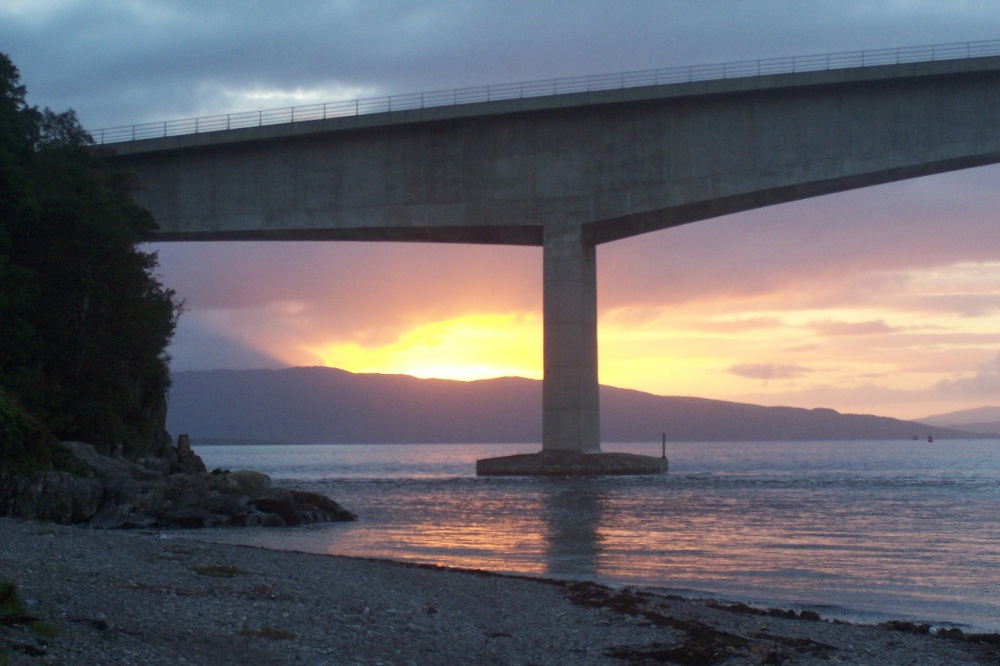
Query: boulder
x=192, y=517
x=110, y=492
x=271, y=520
x=52, y=496
x=249, y=482
x=322, y=506
x=183, y=458
x=279, y=501
x=298, y=507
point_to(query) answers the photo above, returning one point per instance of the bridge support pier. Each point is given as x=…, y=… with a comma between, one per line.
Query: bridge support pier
x=570, y=409
x=571, y=434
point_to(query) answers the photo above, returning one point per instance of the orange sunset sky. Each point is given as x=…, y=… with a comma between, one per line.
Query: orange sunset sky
x=881, y=301
x=884, y=300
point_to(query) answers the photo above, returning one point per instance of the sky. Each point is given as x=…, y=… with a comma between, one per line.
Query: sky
x=884, y=300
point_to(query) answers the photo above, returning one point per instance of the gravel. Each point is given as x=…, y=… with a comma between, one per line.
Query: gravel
x=131, y=597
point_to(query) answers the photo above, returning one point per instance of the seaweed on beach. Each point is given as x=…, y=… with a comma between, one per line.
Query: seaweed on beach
x=702, y=645
x=219, y=571
x=743, y=609
x=687, y=654
x=13, y=615
x=950, y=633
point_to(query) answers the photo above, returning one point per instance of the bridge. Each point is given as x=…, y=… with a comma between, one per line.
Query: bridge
x=568, y=165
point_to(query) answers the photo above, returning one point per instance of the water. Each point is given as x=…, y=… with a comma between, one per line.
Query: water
x=863, y=531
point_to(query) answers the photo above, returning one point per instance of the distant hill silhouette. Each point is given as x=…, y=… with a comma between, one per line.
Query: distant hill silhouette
x=335, y=406
x=988, y=428
x=984, y=420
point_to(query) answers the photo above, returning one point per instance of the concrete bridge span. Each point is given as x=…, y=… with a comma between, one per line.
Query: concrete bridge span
x=569, y=172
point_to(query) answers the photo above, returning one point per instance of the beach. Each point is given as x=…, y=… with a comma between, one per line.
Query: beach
x=145, y=597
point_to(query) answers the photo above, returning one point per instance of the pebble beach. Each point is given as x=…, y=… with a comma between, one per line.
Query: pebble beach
x=143, y=597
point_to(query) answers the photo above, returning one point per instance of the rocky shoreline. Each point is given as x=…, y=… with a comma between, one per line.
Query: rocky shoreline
x=145, y=597
x=156, y=492
x=74, y=592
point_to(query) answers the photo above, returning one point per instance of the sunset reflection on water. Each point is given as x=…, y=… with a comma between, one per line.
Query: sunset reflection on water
x=514, y=533
x=855, y=530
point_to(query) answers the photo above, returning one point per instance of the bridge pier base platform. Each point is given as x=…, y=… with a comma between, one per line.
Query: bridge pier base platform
x=558, y=462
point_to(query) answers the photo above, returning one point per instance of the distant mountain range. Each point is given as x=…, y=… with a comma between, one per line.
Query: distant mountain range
x=984, y=420
x=335, y=406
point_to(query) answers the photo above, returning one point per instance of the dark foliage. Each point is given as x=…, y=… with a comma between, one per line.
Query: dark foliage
x=25, y=445
x=84, y=322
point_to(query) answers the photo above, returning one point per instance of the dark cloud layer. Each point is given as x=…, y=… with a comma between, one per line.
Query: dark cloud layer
x=118, y=63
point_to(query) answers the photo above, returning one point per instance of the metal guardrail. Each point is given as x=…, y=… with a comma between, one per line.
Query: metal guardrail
x=651, y=77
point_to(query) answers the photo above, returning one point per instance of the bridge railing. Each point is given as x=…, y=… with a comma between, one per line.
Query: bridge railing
x=542, y=88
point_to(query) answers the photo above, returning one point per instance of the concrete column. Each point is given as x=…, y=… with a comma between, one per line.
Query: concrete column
x=570, y=417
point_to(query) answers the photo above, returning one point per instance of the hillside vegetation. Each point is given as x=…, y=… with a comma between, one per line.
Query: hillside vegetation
x=84, y=322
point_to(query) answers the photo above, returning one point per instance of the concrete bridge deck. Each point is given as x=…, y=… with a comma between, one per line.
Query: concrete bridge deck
x=569, y=172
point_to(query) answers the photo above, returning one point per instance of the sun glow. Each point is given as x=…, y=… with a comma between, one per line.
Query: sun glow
x=477, y=346
x=885, y=351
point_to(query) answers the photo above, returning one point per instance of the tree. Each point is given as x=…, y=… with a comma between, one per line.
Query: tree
x=84, y=321
x=18, y=131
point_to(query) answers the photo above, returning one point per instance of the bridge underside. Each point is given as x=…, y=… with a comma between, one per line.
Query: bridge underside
x=571, y=172
x=512, y=235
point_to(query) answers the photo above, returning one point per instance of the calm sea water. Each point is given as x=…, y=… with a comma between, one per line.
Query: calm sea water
x=863, y=531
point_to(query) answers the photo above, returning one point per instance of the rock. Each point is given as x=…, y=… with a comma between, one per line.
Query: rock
x=93, y=464
x=251, y=483
x=297, y=507
x=280, y=502
x=110, y=516
x=271, y=520
x=185, y=460
x=110, y=492
x=159, y=465
x=323, y=505
x=228, y=504
x=190, y=517
x=56, y=496
x=251, y=520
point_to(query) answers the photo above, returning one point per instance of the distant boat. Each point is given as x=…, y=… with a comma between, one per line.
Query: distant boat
x=930, y=439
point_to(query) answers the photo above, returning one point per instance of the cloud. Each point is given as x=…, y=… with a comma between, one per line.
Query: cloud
x=119, y=63
x=768, y=371
x=985, y=382
x=840, y=328
x=352, y=287
x=741, y=325
x=198, y=346
x=844, y=247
